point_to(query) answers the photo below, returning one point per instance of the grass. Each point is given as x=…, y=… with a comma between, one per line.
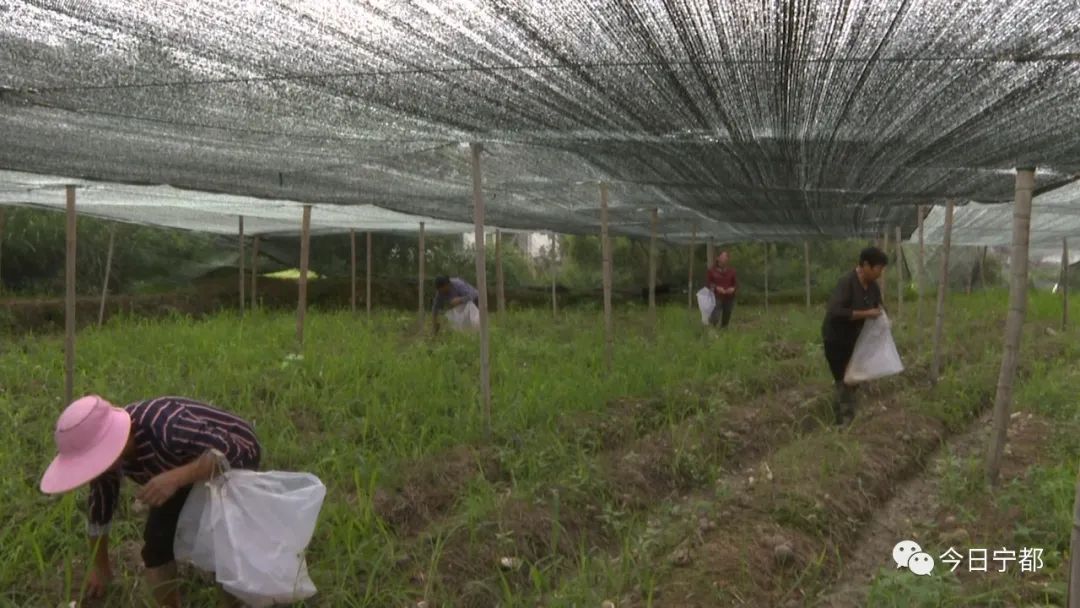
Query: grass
x=369, y=403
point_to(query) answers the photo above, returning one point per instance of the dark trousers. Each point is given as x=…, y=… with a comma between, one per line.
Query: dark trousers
x=722, y=312
x=838, y=354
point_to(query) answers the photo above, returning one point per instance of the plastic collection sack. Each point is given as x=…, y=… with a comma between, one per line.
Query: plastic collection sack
x=706, y=301
x=464, y=316
x=875, y=353
x=250, y=529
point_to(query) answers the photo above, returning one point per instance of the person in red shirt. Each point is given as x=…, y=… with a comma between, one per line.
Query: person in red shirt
x=721, y=280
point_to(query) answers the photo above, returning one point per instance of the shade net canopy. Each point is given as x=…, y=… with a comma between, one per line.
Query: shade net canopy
x=743, y=120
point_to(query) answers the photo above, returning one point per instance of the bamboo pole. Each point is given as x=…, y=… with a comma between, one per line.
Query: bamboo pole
x=554, y=274
x=982, y=269
x=305, y=252
x=352, y=270
x=1014, y=323
x=500, y=287
x=943, y=289
x=605, y=243
x=710, y=255
x=3, y=224
x=1065, y=283
x=766, y=277
x=108, y=269
x=421, y=255
x=884, y=247
x=367, y=277
x=653, y=218
x=921, y=270
x=254, y=270
x=806, y=252
x=69, y=300
x=481, y=280
x=243, y=274
x=1074, y=552
x=899, y=273
x=690, y=280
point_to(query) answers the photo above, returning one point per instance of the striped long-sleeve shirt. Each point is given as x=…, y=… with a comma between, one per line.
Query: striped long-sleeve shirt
x=170, y=432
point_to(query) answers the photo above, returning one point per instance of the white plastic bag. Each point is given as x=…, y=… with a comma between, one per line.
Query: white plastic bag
x=706, y=301
x=250, y=529
x=464, y=316
x=875, y=353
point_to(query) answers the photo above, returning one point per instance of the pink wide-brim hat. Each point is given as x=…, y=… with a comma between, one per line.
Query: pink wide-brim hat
x=90, y=437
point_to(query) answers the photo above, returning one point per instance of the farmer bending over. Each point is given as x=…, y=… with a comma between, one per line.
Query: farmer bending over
x=855, y=299
x=163, y=444
x=451, y=293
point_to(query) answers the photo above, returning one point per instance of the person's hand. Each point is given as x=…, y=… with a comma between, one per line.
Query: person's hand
x=98, y=582
x=160, y=488
x=455, y=302
x=873, y=313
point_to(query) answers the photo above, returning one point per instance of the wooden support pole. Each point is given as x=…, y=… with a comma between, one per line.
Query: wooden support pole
x=605, y=244
x=982, y=269
x=1064, y=283
x=710, y=255
x=243, y=273
x=899, y=273
x=108, y=269
x=921, y=270
x=690, y=280
x=481, y=280
x=254, y=270
x=942, y=291
x=500, y=286
x=885, y=248
x=766, y=277
x=554, y=274
x=806, y=252
x=69, y=300
x=653, y=218
x=3, y=224
x=421, y=255
x=367, y=277
x=352, y=270
x=1014, y=323
x=305, y=252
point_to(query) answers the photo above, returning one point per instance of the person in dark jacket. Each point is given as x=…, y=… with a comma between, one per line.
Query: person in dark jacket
x=856, y=298
x=720, y=279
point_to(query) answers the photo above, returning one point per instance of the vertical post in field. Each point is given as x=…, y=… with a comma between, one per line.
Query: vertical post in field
x=919, y=210
x=108, y=270
x=3, y=223
x=899, y=273
x=885, y=248
x=421, y=255
x=1014, y=323
x=481, y=280
x=943, y=289
x=1065, y=283
x=305, y=252
x=806, y=252
x=690, y=280
x=766, y=277
x=367, y=277
x=652, y=272
x=554, y=275
x=605, y=243
x=69, y=300
x=243, y=274
x=500, y=287
x=352, y=270
x=982, y=269
x=254, y=270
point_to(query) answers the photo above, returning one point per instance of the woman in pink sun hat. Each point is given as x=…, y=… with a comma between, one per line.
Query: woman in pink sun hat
x=165, y=445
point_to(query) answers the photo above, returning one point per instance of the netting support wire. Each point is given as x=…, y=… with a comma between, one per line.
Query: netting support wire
x=254, y=269
x=605, y=245
x=108, y=269
x=653, y=218
x=500, y=287
x=690, y=279
x=305, y=251
x=806, y=254
x=1014, y=323
x=920, y=211
x=481, y=280
x=352, y=270
x=942, y=291
x=367, y=275
x=766, y=277
x=69, y=300
x=899, y=273
x=420, y=255
x=243, y=273
x=1064, y=283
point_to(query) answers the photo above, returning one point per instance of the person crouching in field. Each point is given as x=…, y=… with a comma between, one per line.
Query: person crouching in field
x=165, y=445
x=856, y=298
x=451, y=293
